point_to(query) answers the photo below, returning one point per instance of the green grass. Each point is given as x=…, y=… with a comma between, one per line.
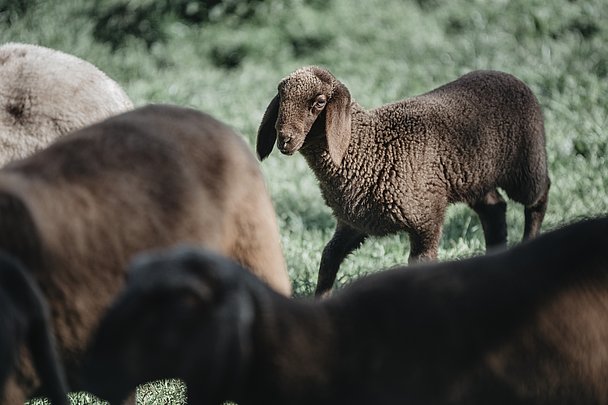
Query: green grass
x=383, y=50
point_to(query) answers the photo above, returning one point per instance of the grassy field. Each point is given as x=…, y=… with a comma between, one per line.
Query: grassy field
x=227, y=61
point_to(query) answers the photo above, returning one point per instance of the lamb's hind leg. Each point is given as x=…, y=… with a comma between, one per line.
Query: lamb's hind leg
x=534, y=215
x=345, y=240
x=492, y=212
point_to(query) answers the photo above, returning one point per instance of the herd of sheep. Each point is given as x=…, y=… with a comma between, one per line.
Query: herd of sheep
x=116, y=220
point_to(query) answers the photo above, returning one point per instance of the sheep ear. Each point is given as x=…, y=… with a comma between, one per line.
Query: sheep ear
x=42, y=346
x=267, y=134
x=337, y=123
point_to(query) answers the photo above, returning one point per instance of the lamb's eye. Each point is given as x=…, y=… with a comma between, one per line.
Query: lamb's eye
x=320, y=101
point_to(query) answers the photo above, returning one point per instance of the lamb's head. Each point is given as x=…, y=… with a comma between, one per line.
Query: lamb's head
x=184, y=314
x=306, y=95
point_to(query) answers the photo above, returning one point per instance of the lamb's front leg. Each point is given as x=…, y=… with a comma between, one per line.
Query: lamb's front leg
x=424, y=240
x=345, y=240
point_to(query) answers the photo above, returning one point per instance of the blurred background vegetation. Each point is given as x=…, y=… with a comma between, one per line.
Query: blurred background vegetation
x=226, y=57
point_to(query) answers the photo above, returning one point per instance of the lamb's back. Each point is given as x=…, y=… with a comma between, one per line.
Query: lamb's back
x=467, y=136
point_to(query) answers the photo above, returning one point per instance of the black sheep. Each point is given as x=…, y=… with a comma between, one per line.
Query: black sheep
x=524, y=326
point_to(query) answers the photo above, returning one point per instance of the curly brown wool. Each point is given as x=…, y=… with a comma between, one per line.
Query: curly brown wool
x=398, y=167
x=46, y=93
x=77, y=211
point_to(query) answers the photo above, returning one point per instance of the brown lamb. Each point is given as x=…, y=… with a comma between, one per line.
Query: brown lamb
x=25, y=320
x=77, y=211
x=397, y=167
x=517, y=327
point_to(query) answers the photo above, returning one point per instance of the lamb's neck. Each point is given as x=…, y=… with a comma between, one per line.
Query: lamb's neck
x=361, y=149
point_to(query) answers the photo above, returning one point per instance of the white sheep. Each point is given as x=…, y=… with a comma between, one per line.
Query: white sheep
x=46, y=93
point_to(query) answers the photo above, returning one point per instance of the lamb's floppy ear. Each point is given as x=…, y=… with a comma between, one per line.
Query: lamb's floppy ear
x=337, y=123
x=267, y=134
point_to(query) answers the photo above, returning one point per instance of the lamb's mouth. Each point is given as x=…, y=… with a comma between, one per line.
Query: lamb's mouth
x=288, y=148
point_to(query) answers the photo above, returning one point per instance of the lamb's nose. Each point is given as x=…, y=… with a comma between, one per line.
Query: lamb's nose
x=283, y=142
